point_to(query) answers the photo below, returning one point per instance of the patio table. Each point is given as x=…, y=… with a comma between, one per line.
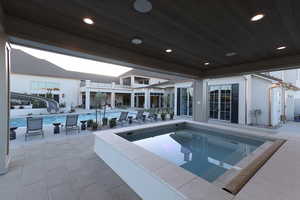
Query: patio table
x=83, y=124
x=56, y=129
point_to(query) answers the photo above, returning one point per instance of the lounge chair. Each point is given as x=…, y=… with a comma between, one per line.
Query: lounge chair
x=139, y=116
x=34, y=127
x=71, y=123
x=123, y=117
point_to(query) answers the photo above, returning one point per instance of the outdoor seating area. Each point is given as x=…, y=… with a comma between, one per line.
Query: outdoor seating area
x=36, y=131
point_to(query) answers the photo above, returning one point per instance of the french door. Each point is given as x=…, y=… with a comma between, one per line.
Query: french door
x=185, y=101
x=220, y=102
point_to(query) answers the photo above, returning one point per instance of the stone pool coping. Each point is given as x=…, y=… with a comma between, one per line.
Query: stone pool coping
x=176, y=182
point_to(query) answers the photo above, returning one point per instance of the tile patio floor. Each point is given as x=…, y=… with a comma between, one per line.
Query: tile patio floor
x=65, y=169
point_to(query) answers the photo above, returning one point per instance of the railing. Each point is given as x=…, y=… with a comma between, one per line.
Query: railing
x=105, y=85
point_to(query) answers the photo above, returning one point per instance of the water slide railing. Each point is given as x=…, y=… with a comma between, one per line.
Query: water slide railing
x=52, y=105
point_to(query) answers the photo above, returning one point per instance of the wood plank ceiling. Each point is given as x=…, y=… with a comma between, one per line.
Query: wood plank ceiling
x=196, y=31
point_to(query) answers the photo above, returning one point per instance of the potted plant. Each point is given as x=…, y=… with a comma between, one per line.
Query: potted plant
x=94, y=126
x=89, y=123
x=62, y=105
x=104, y=121
x=100, y=100
x=163, y=116
x=112, y=122
x=171, y=115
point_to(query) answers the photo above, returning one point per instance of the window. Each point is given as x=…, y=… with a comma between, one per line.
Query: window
x=140, y=80
x=41, y=85
x=127, y=81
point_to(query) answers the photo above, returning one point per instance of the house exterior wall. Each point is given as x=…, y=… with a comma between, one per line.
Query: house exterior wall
x=69, y=88
x=260, y=100
x=290, y=105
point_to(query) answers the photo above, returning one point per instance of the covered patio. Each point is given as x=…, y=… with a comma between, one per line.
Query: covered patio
x=195, y=39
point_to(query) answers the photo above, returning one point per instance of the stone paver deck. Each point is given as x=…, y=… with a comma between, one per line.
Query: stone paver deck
x=66, y=169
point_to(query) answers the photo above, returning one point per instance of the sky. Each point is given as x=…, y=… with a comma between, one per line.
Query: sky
x=76, y=64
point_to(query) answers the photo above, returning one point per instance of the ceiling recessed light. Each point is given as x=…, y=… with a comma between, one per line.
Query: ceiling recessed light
x=168, y=50
x=206, y=63
x=136, y=41
x=230, y=54
x=88, y=21
x=281, y=48
x=257, y=17
x=142, y=6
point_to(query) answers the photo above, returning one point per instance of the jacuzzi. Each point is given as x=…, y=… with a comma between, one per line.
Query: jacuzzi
x=183, y=159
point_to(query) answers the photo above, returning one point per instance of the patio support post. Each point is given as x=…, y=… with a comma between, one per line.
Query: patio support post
x=87, y=94
x=147, y=99
x=87, y=99
x=4, y=101
x=132, y=100
x=200, y=103
x=113, y=100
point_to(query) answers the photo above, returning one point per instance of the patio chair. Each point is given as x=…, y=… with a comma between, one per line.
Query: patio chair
x=139, y=116
x=123, y=117
x=34, y=127
x=72, y=123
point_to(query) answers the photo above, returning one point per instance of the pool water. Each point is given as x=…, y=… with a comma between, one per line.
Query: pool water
x=48, y=120
x=205, y=153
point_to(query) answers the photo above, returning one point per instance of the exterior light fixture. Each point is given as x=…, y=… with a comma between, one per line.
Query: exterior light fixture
x=142, y=6
x=88, y=21
x=257, y=17
x=230, y=54
x=206, y=63
x=168, y=50
x=136, y=41
x=281, y=48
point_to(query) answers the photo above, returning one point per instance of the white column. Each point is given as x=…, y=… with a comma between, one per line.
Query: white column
x=80, y=98
x=200, y=102
x=132, y=81
x=4, y=102
x=147, y=99
x=175, y=100
x=87, y=99
x=132, y=100
x=113, y=100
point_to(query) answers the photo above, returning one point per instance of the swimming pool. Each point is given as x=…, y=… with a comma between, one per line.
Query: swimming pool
x=48, y=120
x=205, y=153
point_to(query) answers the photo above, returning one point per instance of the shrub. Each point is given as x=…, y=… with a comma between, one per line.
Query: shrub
x=112, y=122
x=62, y=105
x=104, y=121
x=163, y=116
x=89, y=123
x=95, y=126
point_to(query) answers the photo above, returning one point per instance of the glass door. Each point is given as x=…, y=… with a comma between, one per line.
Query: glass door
x=220, y=102
x=225, y=104
x=185, y=101
x=214, y=104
